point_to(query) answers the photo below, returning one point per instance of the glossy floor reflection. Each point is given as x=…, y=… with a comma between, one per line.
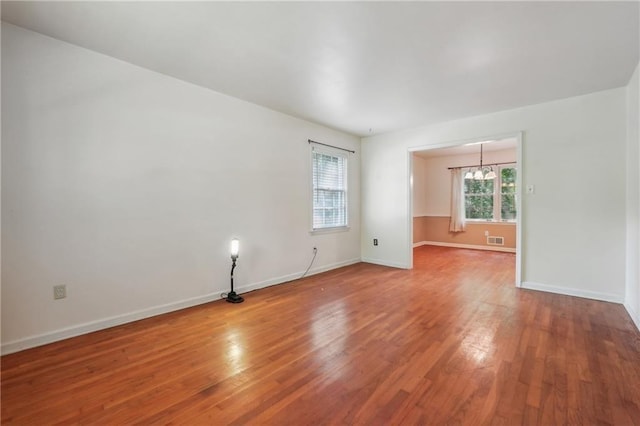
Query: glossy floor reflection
x=451, y=341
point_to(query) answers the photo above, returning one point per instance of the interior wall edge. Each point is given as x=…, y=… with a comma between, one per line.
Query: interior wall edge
x=102, y=324
x=635, y=317
x=105, y=323
x=295, y=276
x=382, y=262
x=465, y=246
x=568, y=291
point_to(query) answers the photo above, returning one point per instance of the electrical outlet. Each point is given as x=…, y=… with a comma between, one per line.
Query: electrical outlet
x=59, y=291
x=375, y=241
x=486, y=233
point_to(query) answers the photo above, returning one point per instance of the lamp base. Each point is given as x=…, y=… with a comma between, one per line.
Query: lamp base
x=234, y=298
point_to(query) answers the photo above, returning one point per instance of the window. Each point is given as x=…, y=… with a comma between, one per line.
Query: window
x=329, y=189
x=507, y=193
x=492, y=199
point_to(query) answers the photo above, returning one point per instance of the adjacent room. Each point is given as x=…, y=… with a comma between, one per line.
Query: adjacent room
x=484, y=174
x=320, y=212
x=466, y=196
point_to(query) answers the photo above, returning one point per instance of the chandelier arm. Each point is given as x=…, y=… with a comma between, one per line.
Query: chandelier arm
x=476, y=165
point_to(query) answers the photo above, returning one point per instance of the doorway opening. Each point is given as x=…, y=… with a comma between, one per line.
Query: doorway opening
x=489, y=176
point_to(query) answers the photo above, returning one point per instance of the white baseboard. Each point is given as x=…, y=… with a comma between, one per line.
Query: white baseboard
x=89, y=327
x=465, y=246
x=294, y=276
x=635, y=316
x=101, y=324
x=385, y=263
x=568, y=291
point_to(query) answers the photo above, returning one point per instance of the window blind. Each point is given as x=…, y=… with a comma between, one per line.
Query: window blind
x=329, y=190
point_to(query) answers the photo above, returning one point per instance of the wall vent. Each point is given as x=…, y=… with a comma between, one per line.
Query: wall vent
x=495, y=241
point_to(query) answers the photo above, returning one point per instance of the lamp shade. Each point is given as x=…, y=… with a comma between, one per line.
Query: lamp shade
x=235, y=248
x=468, y=175
x=490, y=175
x=478, y=175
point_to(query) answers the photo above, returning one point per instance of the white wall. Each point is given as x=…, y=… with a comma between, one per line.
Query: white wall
x=632, y=298
x=127, y=186
x=432, y=179
x=420, y=186
x=573, y=226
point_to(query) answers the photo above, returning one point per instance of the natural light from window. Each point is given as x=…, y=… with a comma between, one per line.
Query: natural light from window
x=492, y=199
x=329, y=190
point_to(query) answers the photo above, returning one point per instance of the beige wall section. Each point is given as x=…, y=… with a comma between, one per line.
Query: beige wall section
x=436, y=228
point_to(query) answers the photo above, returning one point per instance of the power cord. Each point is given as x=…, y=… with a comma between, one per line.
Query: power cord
x=315, y=251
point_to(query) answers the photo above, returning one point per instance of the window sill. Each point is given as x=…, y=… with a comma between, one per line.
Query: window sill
x=320, y=231
x=492, y=222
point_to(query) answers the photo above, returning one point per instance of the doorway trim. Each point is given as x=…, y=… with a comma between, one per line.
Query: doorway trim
x=518, y=136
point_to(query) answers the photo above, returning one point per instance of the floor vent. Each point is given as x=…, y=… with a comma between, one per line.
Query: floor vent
x=495, y=241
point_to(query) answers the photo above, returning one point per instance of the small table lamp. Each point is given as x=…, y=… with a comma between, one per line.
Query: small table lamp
x=232, y=297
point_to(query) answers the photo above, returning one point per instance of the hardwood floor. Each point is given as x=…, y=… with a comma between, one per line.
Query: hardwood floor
x=451, y=341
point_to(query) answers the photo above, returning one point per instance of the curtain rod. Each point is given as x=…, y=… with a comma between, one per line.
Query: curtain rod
x=331, y=146
x=478, y=165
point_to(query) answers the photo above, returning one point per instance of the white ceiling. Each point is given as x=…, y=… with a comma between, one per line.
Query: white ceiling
x=357, y=66
x=471, y=148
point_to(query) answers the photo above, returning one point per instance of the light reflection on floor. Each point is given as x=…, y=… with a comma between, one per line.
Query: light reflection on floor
x=478, y=346
x=235, y=352
x=329, y=338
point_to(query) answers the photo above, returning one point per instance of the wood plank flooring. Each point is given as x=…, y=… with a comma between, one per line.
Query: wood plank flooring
x=451, y=341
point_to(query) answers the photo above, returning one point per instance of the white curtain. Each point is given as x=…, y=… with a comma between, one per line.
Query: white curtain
x=456, y=223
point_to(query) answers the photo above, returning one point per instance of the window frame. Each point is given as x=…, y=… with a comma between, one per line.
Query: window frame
x=333, y=153
x=497, y=197
x=498, y=189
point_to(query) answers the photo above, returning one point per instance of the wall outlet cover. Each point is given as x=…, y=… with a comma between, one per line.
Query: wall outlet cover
x=59, y=291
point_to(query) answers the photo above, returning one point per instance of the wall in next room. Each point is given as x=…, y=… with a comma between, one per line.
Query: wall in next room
x=432, y=198
x=435, y=229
